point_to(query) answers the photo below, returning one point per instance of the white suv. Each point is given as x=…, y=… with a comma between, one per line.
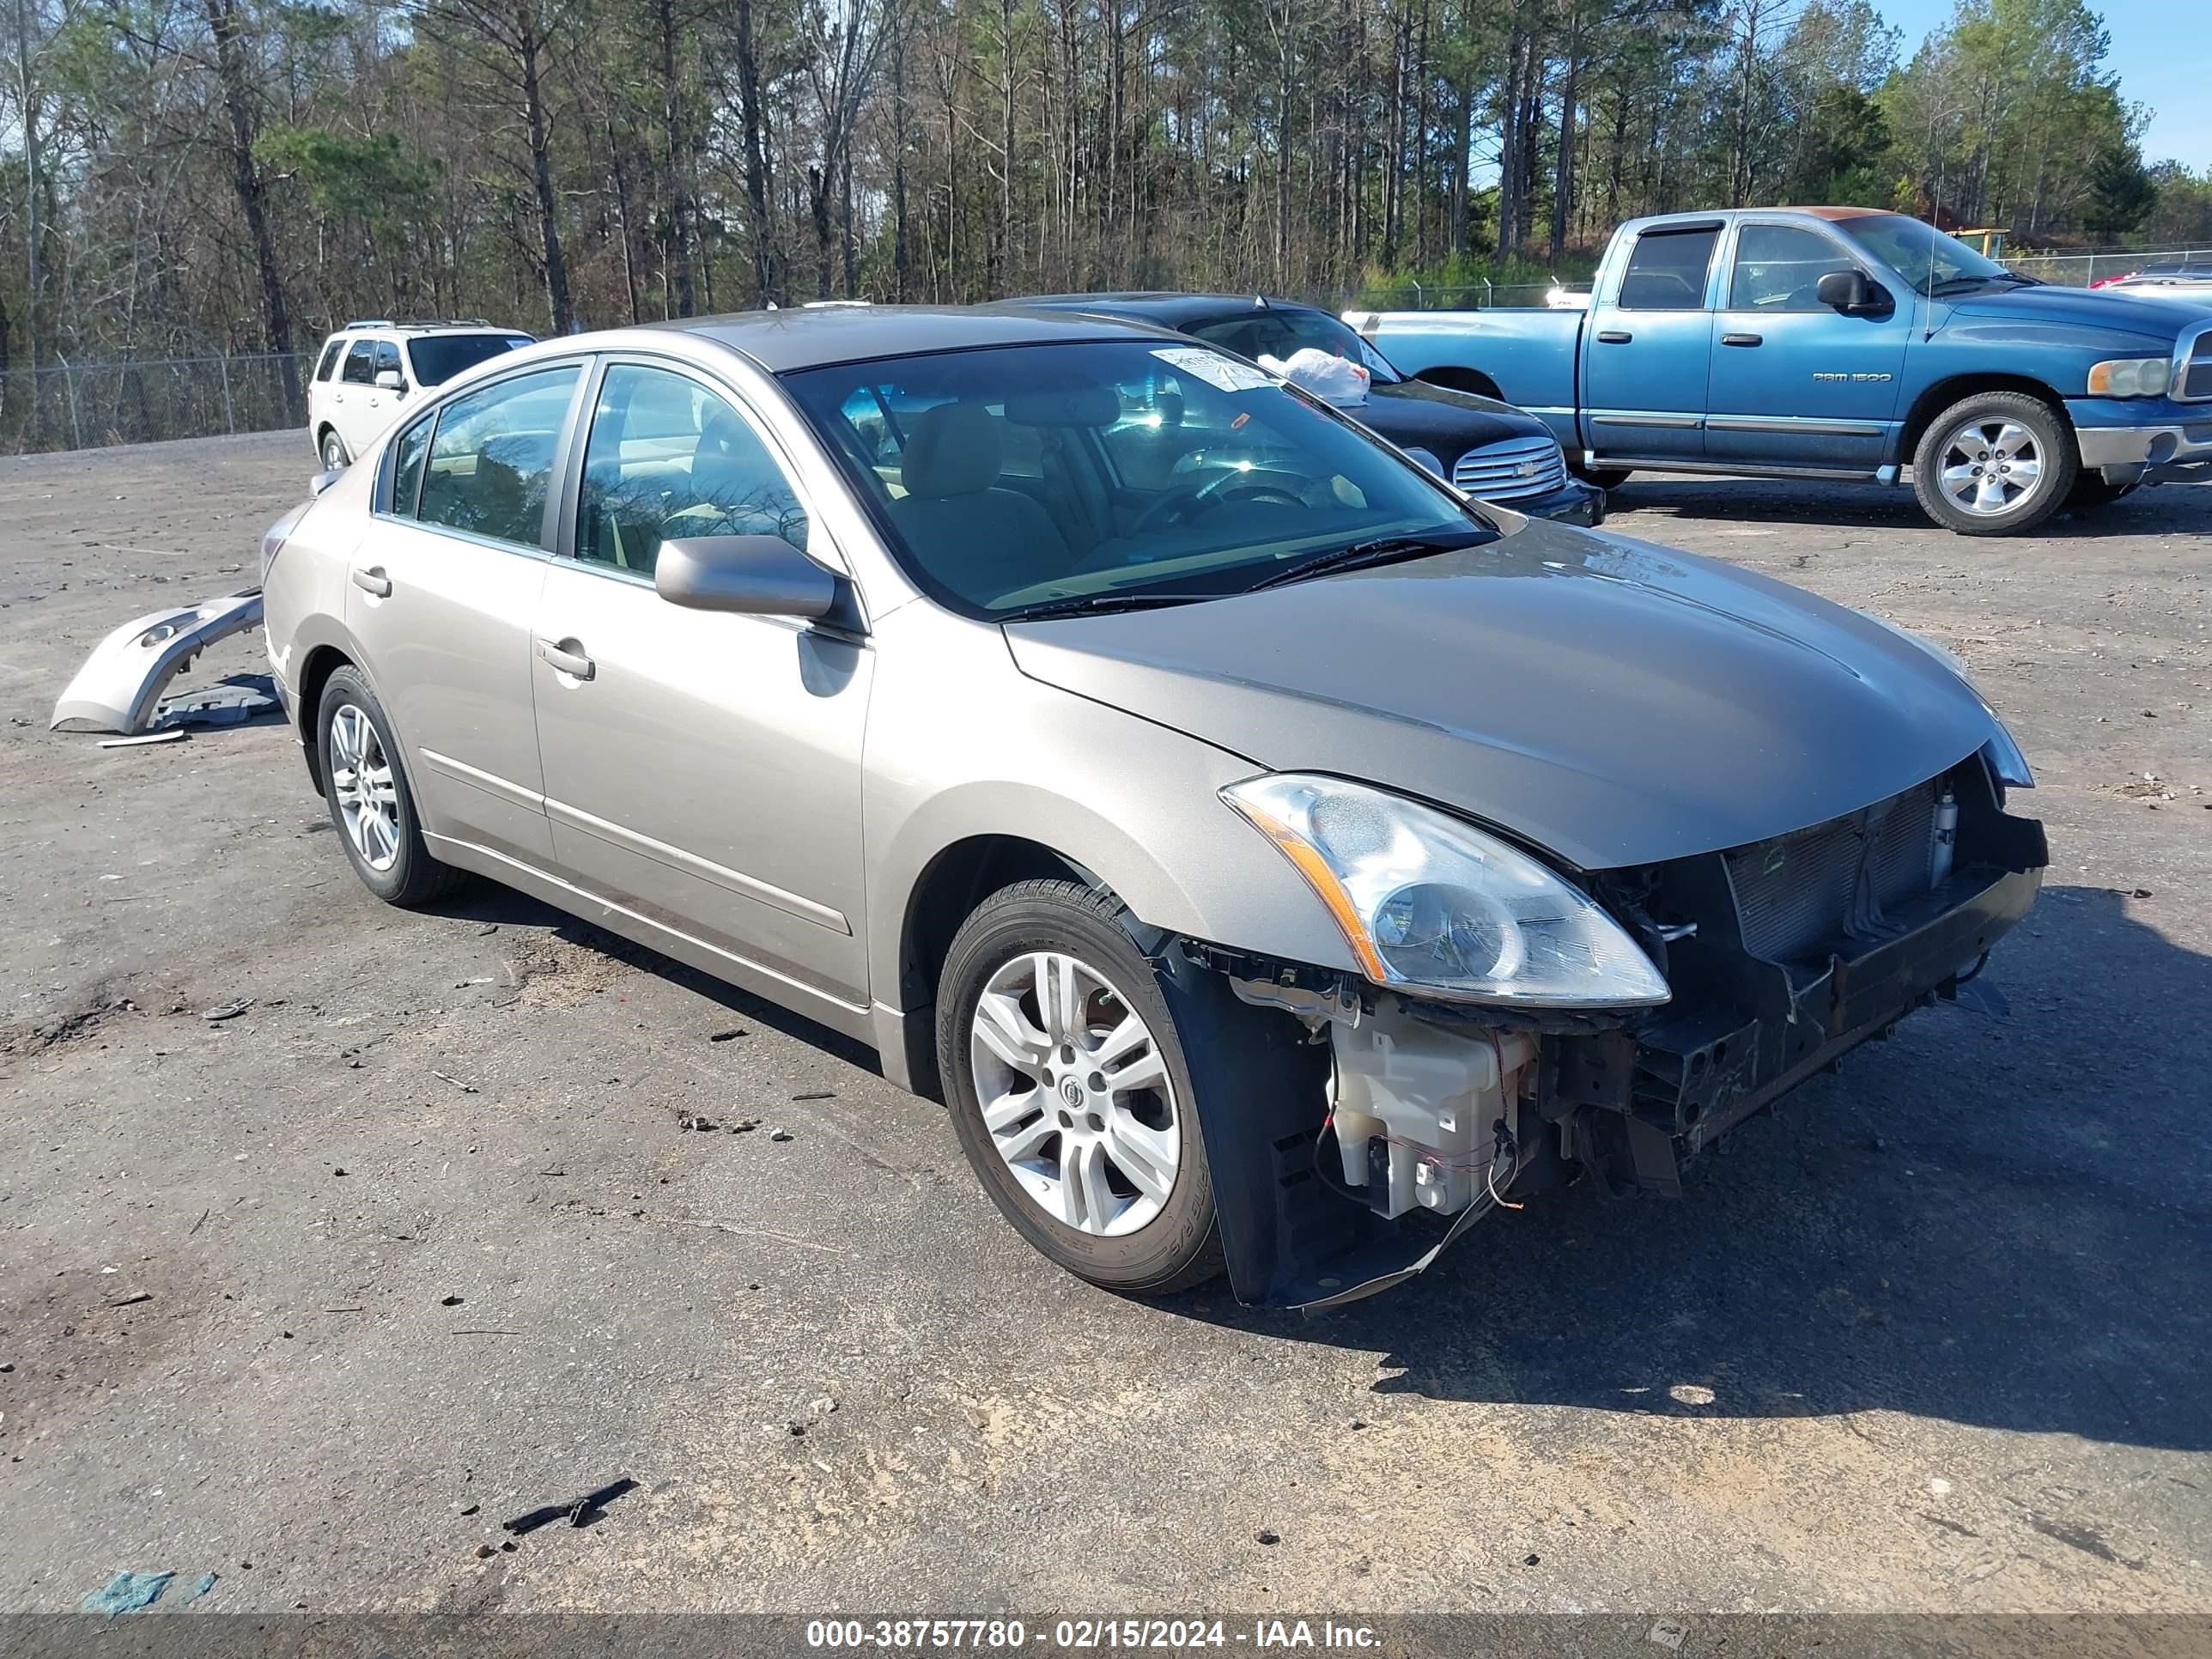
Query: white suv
x=368, y=368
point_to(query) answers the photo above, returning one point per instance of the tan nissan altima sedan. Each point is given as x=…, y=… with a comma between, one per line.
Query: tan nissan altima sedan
x=1274, y=859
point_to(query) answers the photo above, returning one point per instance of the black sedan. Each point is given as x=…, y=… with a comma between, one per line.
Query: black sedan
x=1490, y=449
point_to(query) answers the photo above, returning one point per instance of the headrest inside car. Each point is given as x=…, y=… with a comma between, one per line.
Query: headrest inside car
x=1082, y=405
x=953, y=449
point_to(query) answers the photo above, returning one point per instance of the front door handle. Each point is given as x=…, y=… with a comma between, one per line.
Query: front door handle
x=1614, y=336
x=1743, y=339
x=568, y=657
x=373, y=581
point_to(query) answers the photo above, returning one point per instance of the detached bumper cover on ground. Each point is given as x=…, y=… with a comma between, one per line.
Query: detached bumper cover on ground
x=117, y=687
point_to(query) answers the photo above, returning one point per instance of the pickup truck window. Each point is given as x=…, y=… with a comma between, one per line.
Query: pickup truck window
x=1777, y=268
x=1667, y=271
x=1925, y=256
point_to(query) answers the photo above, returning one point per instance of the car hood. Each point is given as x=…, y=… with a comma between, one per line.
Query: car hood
x=1449, y=422
x=1615, y=702
x=2081, y=307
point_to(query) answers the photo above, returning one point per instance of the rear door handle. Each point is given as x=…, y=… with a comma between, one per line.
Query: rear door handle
x=373, y=581
x=1743, y=339
x=573, y=662
x=1614, y=336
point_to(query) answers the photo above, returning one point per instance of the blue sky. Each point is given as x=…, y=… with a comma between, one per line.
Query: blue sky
x=2161, y=49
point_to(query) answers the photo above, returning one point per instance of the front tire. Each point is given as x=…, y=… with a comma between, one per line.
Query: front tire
x=372, y=807
x=1070, y=1091
x=1605, y=478
x=1994, y=465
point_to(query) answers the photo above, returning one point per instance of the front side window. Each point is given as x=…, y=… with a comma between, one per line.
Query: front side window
x=666, y=458
x=1667, y=270
x=1779, y=267
x=1174, y=470
x=329, y=362
x=408, y=452
x=491, y=457
x=361, y=365
x=387, y=356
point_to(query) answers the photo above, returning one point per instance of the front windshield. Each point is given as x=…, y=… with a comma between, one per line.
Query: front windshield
x=438, y=357
x=1276, y=332
x=1922, y=255
x=1027, y=475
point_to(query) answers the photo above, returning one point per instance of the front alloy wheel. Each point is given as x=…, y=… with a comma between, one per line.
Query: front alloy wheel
x=1074, y=1094
x=1994, y=464
x=1070, y=1082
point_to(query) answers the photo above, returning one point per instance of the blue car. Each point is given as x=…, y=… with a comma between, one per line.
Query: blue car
x=1841, y=342
x=1486, y=447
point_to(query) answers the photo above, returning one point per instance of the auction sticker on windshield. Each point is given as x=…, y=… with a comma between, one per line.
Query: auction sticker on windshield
x=1214, y=369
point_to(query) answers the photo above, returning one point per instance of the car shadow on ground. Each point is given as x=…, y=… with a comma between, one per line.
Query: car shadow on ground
x=2174, y=507
x=484, y=902
x=2002, y=1223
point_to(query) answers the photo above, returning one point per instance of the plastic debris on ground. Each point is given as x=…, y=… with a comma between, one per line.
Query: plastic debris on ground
x=126, y=1592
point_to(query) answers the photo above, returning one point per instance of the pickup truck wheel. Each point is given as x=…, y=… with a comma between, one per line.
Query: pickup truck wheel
x=1994, y=464
x=1605, y=478
x=1070, y=1092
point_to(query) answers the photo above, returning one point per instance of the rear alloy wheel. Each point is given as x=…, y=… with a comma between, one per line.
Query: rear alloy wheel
x=1993, y=464
x=1069, y=1088
x=371, y=805
x=335, y=458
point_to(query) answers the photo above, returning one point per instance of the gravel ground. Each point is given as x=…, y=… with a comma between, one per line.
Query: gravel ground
x=313, y=1297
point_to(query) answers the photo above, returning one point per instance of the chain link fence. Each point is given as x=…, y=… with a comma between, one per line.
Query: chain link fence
x=2083, y=270
x=93, y=406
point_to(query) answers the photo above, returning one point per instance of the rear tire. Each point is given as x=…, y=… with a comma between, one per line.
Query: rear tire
x=372, y=807
x=1969, y=467
x=333, y=451
x=1605, y=478
x=1110, y=1184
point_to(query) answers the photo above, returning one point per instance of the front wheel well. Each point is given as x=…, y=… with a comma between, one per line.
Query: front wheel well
x=954, y=882
x=1941, y=396
x=322, y=662
x=1471, y=381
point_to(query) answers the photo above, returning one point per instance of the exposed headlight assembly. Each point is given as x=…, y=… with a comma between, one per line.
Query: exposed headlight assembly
x=2131, y=377
x=1434, y=905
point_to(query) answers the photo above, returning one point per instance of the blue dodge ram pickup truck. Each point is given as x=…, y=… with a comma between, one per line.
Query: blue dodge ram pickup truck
x=1840, y=343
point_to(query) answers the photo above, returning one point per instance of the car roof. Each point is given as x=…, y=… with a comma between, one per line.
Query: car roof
x=1170, y=310
x=380, y=326
x=805, y=336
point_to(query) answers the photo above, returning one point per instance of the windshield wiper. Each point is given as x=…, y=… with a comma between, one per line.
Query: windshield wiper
x=1093, y=605
x=1381, y=550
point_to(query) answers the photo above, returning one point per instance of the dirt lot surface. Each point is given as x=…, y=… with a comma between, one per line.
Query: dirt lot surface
x=313, y=1297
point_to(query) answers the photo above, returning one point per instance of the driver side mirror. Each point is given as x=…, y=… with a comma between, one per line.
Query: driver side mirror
x=387, y=380
x=746, y=576
x=1853, y=293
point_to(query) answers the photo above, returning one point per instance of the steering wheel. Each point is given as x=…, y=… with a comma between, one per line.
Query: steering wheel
x=1189, y=502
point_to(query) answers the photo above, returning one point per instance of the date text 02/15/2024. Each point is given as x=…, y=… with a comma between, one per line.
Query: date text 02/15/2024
x=1078, y=1635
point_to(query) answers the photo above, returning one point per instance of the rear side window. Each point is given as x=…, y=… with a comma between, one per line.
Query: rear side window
x=492, y=455
x=360, y=365
x=408, y=452
x=1667, y=270
x=330, y=354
